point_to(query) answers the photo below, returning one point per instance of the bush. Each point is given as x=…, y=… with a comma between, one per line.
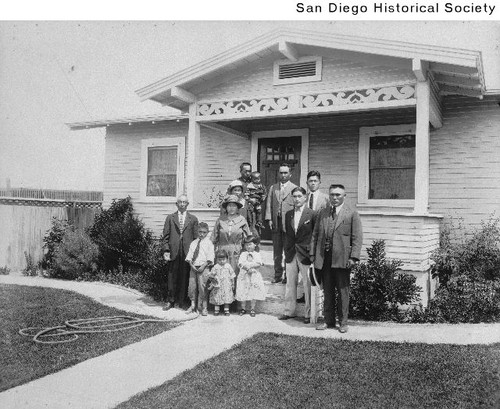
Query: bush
x=52, y=239
x=475, y=255
x=74, y=256
x=123, y=241
x=463, y=299
x=31, y=268
x=379, y=287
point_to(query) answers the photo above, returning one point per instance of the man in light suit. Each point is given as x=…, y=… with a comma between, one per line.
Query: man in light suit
x=180, y=229
x=299, y=225
x=279, y=201
x=335, y=248
x=316, y=200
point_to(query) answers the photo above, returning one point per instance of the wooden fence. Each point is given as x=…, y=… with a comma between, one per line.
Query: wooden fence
x=24, y=221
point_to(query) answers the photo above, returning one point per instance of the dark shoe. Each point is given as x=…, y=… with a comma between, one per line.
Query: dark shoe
x=167, y=306
x=301, y=300
x=242, y=312
x=307, y=320
x=216, y=313
x=283, y=281
x=324, y=326
x=285, y=317
x=226, y=313
x=343, y=329
x=252, y=313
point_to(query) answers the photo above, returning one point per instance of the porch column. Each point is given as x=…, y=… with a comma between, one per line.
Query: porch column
x=422, y=148
x=193, y=146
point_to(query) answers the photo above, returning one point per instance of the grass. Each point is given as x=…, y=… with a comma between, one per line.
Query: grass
x=22, y=360
x=278, y=371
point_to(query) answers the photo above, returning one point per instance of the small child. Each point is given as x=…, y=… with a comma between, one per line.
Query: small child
x=250, y=285
x=221, y=283
x=200, y=257
x=256, y=195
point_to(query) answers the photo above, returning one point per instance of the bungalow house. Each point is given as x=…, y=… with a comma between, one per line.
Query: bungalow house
x=409, y=129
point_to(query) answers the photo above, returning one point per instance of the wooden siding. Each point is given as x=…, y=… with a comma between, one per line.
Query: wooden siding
x=218, y=163
x=24, y=227
x=337, y=75
x=465, y=160
x=123, y=166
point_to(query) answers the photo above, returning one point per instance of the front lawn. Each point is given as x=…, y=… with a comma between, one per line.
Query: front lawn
x=22, y=360
x=278, y=371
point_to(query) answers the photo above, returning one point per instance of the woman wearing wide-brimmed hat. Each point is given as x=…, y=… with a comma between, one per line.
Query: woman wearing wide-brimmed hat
x=230, y=230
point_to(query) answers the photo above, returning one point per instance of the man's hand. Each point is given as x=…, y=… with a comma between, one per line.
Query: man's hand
x=166, y=256
x=351, y=263
x=311, y=259
x=270, y=224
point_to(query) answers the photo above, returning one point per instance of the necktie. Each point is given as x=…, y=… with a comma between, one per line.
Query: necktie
x=311, y=200
x=181, y=221
x=196, y=252
x=334, y=212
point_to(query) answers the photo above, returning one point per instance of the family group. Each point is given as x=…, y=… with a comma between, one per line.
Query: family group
x=312, y=232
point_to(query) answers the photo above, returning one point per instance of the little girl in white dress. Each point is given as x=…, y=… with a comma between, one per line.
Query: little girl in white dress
x=249, y=284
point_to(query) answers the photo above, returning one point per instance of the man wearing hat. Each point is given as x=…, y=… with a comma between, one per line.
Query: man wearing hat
x=180, y=229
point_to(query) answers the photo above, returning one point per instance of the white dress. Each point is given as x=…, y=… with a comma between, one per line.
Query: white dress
x=249, y=284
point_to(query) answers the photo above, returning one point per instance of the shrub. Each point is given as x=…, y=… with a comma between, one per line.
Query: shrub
x=53, y=237
x=379, y=287
x=4, y=271
x=463, y=299
x=31, y=268
x=477, y=255
x=122, y=239
x=74, y=256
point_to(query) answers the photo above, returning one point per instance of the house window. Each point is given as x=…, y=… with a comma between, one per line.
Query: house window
x=392, y=167
x=306, y=69
x=387, y=166
x=162, y=170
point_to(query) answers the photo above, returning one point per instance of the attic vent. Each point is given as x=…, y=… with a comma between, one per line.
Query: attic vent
x=307, y=69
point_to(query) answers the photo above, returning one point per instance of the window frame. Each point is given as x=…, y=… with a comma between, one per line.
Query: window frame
x=178, y=143
x=299, y=80
x=365, y=133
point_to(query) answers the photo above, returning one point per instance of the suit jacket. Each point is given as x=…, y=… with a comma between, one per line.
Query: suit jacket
x=347, y=237
x=274, y=202
x=298, y=242
x=320, y=202
x=172, y=233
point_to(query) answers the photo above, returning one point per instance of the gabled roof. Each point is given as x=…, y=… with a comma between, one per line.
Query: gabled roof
x=457, y=71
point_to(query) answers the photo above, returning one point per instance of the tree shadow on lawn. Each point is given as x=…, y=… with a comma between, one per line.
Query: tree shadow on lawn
x=281, y=371
x=22, y=360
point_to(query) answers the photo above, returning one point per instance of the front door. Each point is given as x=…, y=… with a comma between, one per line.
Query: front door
x=272, y=152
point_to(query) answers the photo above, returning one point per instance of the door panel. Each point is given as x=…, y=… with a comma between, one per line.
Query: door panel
x=272, y=152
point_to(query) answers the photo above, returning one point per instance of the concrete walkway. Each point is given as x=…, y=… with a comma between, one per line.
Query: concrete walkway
x=107, y=380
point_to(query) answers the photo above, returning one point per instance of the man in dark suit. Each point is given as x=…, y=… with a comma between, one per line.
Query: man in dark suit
x=299, y=225
x=279, y=201
x=335, y=248
x=180, y=229
x=316, y=199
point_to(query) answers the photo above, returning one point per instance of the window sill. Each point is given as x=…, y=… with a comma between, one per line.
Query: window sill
x=158, y=199
x=399, y=204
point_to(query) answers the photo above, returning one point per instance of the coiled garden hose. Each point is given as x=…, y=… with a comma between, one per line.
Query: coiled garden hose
x=72, y=328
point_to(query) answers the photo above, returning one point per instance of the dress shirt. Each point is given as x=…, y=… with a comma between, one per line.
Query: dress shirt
x=206, y=252
x=296, y=217
x=182, y=219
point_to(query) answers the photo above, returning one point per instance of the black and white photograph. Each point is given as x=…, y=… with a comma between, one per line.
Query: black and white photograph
x=222, y=213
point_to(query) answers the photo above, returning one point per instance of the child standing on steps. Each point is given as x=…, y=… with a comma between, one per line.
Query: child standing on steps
x=200, y=257
x=250, y=285
x=221, y=283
